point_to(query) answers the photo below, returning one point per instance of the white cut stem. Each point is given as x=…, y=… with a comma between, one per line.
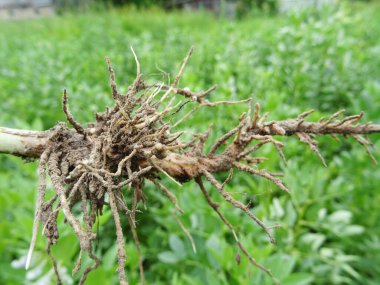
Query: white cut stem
x=22, y=142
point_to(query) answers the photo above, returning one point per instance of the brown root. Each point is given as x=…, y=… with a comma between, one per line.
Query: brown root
x=215, y=206
x=133, y=142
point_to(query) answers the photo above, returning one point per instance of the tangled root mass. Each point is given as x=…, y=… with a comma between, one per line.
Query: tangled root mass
x=132, y=143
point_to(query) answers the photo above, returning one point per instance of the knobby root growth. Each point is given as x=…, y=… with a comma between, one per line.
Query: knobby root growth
x=134, y=141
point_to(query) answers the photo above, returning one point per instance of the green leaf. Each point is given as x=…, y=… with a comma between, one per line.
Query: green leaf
x=298, y=279
x=352, y=230
x=313, y=240
x=351, y=271
x=109, y=258
x=213, y=243
x=277, y=210
x=341, y=216
x=168, y=257
x=281, y=265
x=177, y=246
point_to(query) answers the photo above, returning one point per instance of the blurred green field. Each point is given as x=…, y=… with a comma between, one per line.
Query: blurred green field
x=325, y=59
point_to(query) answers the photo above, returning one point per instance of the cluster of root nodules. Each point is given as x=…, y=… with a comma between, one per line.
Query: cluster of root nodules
x=132, y=143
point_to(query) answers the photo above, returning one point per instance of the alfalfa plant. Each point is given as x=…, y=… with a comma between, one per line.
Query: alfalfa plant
x=133, y=142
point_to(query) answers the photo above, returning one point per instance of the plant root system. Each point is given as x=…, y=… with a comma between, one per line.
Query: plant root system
x=133, y=142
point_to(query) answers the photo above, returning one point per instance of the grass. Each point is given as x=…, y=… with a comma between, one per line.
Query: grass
x=324, y=59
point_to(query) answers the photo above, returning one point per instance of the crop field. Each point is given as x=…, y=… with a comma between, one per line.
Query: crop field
x=326, y=59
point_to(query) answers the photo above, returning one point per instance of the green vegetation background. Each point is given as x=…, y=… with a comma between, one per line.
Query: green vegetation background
x=325, y=59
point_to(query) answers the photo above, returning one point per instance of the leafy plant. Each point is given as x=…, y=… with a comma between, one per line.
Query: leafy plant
x=76, y=41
